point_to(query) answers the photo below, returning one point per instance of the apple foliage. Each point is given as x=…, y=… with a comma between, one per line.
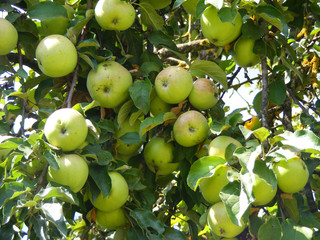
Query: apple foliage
x=171, y=206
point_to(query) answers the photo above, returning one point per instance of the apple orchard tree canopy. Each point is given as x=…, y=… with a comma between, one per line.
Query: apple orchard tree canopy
x=117, y=119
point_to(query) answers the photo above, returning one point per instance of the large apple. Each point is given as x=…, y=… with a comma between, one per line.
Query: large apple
x=243, y=52
x=66, y=128
x=118, y=194
x=211, y=187
x=109, y=84
x=125, y=127
x=111, y=220
x=56, y=56
x=217, y=32
x=292, y=174
x=190, y=6
x=220, y=224
x=218, y=146
x=158, y=155
x=8, y=37
x=204, y=94
x=157, y=106
x=262, y=191
x=158, y=4
x=114, y=14
x=173, y=84
x=73, y=172
x=190, y=129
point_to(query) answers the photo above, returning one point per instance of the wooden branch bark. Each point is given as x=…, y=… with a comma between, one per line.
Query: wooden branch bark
x=265, y=93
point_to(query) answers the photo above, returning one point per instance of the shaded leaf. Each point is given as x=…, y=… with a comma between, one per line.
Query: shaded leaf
x=150, y=123
x=150, y=17
x=56, y=192
x=140, y=93
x=100, y=176
x=270, y=230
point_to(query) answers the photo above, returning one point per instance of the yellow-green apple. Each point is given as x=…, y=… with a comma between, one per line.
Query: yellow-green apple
x=8, y=37
x=217, y=32
x=244, y=55
x=56, y=56
x=117, y=196
x=114, y=14
x=125, y=127
x=158, y=155
x=292, y=174
x=218, y=146
x=220, y=223
x=158, y=4
x=262, y=191
x=190, y=129
x=211, y=187
x=73, y=171
x=109, y=84
x=190, y=6
x=157, y=106
x=173, y=84
x=111, y=220
x=204, y=94
x=66, y=128
x=54, y=25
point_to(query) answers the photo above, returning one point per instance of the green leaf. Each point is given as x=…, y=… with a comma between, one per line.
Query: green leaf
x=270, y=230
x=124, y=111
x=261, y=133
x=90, y=61
x=148, y=67
x=150, y=17
x=44, y=10
x=245, y=132
x=203, y=168
x=151, y=122
x=54, y=213
x=159, y=38
x=56, y=192
x=75, y=31
x=251, y=30
x=293, y=231
x=88, y=43
x=265, y=172
x=173, y=234
x=227, y=14
x=8, y=190
x=212, y=70
x=140, y=93
x=100, y=176
x=277, y=92
x=52, y=159
x=290, y=66
x=131, y=138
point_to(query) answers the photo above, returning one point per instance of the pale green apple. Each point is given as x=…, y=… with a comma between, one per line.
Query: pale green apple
x=157, y=106
x=73, y=172
x=56, y=56
x=190, y=129
x=218, y=146
x=158, y=155
x=114, y=14
x=262, y=191
x=109, y=84
x=220, y=224
x=158, y=4
x=211, y=187
x=190, y=6
x=292, y=174
x=173, y=84
x=204, y=94
x=118, y=194
x=66, y=128
x=111, y=220
x=8, y=37
x=217, y=32
x=244, y=55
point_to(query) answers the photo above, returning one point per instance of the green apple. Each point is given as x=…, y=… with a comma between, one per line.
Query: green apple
x=56, y=56
x=292, y=174
x=54, y=25
x=204, y=94
x=111, y=220
x=158, y=155
x=211, y=187
x=190, y=6
x=109, y=84
x=66, y=128
x=220, y=224
x=73, y=172
x=262, y=191
x=173, y=84
x=190, y=129
x=116, y=198
x=158, y=4
x=218, y=146
x=125, y=127
x=157, y=106
x=114, y=14
x=8, y=37
x=243, y=52
x=217, y=32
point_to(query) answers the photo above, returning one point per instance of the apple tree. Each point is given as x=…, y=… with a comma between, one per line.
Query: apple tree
x=117, y=122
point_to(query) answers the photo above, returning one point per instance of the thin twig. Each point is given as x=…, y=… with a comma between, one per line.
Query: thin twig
x=23, y=89
x=73, y=86
x=265, y=93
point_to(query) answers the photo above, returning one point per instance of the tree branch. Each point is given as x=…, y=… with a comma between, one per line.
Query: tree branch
x=14, y=57
x=265, y=93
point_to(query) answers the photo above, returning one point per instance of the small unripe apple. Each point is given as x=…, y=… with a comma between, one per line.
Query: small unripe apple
x=262, y=191
x=56, y=56
x=204, y=94
x=111, y=220
x=244, y=55
x=190, y=6
x=217, y=32
x=173, y=84
x=114, y=14
x=73, y=172
x=218, y=146
x=8, y=37
x=157, y=106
